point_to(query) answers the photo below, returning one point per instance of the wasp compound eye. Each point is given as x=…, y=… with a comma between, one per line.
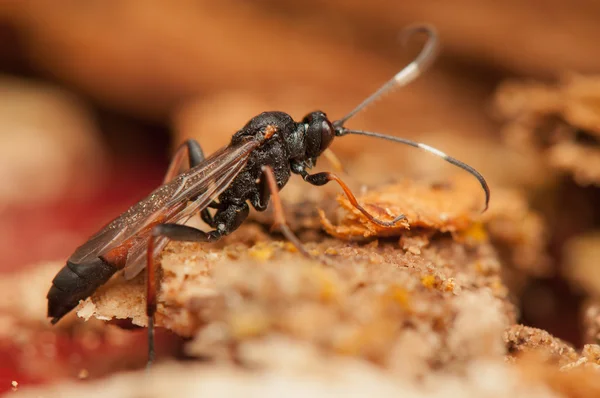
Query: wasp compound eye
x=327, y=134
x=319, y=133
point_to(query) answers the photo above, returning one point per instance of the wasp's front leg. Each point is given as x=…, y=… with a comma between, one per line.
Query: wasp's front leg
x=323, y=178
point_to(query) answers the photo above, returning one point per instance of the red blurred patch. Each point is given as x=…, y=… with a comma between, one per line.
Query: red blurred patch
x=29, y=235
x=51, y=232
x=48, y=357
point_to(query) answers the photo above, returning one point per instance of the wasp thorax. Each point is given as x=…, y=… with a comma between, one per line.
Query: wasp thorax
x=319, y=133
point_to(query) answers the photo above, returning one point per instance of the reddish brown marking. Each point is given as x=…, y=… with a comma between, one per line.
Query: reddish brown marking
x=151, y=279
x=117, y=257
x=278, y=212
x=270, y=130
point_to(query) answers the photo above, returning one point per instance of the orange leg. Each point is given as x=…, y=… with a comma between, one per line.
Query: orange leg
x=323, y=178
x=151, y=291
x=278, y=210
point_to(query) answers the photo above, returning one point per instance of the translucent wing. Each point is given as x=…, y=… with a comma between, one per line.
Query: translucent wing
x=168, y=204
x=136, y=261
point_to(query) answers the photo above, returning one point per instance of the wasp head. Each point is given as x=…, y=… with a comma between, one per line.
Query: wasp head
x=319, y=133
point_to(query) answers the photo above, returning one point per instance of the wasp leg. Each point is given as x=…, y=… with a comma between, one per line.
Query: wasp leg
x=174, y=232
x=193, y=151
x=207, y=217
x=228, y=218
x=319, y=179
x=261, y=201
x=280, y=222
x=190, y=149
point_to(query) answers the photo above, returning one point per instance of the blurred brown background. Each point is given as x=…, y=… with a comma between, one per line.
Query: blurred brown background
x=94, y=96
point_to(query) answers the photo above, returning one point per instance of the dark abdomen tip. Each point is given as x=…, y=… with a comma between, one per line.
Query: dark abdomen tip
x=75, y=282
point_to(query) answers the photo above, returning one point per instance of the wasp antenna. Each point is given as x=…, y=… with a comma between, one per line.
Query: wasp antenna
x=341, y=131
x=407, y=74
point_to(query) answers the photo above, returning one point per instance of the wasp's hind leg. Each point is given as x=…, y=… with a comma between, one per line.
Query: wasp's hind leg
x=175, y=232
x=227, y=219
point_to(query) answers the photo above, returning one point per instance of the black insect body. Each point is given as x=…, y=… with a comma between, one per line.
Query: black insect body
x=251, y=169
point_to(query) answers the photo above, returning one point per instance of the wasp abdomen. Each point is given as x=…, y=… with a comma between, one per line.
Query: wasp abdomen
x=75, y=282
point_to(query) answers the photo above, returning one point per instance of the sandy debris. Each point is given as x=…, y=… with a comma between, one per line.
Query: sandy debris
x=516, y=231
x=423, y=309
x=560, y=123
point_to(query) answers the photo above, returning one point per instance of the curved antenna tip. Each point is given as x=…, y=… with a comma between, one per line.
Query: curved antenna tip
x=407, y=74
x=420, y=27
x=430, y=48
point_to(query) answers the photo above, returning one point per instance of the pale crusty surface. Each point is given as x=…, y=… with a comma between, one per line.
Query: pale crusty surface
x=421, y=311
x=299, y=369
x=444, y=207
x=302, y=375
x=559, y=123
x=414, y=299
x=520, y=339
x=454, y=206
x=364, y=303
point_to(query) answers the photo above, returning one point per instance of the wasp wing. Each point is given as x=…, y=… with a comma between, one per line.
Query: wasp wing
x=136, y=261
x=168, y=203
